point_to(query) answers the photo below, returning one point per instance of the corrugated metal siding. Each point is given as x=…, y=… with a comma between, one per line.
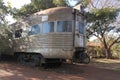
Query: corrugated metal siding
x=44, y=41
x=55, y=40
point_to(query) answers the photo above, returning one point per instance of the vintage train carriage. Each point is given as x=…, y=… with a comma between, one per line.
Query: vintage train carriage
x=51, y=35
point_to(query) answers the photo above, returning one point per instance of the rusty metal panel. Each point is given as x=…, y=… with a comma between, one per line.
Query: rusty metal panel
x=49, y=45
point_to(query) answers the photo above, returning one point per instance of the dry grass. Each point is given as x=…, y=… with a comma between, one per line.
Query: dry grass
x=106, y=63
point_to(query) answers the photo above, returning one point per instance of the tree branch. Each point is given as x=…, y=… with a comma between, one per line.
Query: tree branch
x=98, y=37
x=92, y=3
x=114, y=42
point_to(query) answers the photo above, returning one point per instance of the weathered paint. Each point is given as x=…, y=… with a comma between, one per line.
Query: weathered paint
x=50, y=45
x=54, y=45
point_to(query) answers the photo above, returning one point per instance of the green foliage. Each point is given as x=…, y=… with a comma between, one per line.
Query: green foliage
x=86, y=2
x=116, y=50
x=100, y=25
x=4, y=10
x=95, y=52
x=59, y=2
x=35, y=6
x=5, y=39
x=104, y=14
x=5, y=33
x=42, y=4
x=25, y=11
x=100, y=19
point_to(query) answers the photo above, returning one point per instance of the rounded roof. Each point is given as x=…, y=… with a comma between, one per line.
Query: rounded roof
x=56, y=10
x=53, y=14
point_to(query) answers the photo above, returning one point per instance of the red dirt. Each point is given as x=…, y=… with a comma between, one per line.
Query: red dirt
x=13, y=71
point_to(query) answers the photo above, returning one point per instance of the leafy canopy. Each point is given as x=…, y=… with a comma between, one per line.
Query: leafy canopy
x=35, y=6
x=99, y=20
x=5, y=33
x=100, y=23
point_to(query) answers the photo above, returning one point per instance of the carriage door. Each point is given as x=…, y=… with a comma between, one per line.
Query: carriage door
x=79, y=34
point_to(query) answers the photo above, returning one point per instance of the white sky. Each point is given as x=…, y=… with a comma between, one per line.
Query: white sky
x=73, y=2
x=17, y=3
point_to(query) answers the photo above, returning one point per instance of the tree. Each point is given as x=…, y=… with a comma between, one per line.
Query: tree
x=5, y=35
x=59, y=2
x=116, y=50
x=35, y=6
x=101, y=24
x=42, y=4
x=25, y=11
x=3, y=12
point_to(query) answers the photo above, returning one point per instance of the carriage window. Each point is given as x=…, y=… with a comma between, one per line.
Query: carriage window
x=48, y=27
x=35, y=29
x=18, y=33
x=80, y=27
x=64, y=26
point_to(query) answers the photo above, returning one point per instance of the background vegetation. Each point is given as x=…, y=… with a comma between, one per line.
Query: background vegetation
x=103, y=21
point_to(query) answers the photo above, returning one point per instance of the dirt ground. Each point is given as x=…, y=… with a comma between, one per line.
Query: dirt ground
x=11, y=70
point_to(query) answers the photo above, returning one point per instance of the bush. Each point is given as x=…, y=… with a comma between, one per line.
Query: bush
x=95, y=51
x=5, y=39
x=116, y=50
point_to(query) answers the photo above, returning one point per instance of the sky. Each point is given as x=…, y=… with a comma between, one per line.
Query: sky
x=17, y=4
x=73, y=2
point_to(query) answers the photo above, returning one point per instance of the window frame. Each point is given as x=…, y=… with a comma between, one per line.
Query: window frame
x=39, y=28
x=64, y=21
x=20, y=34
x=48, y=22
x=82, y=26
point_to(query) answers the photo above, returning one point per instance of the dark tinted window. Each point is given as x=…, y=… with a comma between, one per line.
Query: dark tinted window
x=18, y=33
x=80, y=27
x=48, y=27
x=35, y=29
x=64, y=26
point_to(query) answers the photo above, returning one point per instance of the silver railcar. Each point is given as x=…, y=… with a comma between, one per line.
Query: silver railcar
x=50, y=36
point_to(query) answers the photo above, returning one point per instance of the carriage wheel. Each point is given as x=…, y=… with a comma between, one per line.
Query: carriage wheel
x=29, y=59
x=35, y=60
x=0, y=56
x=22, y=59
x=84, y=58
x=58, y=64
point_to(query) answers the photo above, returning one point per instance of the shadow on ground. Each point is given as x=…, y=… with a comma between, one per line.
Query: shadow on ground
x=112, y=64
x=11, y=70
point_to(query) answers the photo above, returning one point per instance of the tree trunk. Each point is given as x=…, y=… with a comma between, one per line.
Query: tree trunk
x=108, y=53
x=107, y=49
